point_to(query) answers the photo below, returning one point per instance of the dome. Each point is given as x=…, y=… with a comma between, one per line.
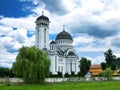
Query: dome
x=64, y=35
x=42, y=18
x=71, y=53
x=52, y=42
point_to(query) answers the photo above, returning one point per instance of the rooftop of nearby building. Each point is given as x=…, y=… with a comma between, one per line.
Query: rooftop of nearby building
x=94, y=66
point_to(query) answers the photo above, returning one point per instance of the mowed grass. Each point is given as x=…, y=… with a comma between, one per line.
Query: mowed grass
x=106, y=85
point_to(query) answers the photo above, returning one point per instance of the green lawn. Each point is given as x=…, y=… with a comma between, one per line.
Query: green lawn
x=106, y=85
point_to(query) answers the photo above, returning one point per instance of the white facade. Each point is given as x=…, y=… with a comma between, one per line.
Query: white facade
x=61, y=52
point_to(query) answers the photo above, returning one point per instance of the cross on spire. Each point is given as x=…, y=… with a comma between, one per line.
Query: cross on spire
x=42, y=12
x=63, y=27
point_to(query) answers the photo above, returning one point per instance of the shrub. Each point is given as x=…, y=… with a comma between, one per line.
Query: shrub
x=66, y=74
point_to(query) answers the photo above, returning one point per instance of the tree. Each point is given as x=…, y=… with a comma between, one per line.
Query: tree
x=110, y=60
x=109, y=57
x=32, y=65
x=103, y=65
x=107, y=73
x=4, y=72
x=117, y=62
x=84, y=66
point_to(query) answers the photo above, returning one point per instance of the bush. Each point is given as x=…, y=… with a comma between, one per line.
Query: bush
x=72, y=73
x=66, y=74
x=107, y=73
x=59, y=74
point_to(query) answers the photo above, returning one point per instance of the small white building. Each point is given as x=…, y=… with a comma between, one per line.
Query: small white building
x=61, y=52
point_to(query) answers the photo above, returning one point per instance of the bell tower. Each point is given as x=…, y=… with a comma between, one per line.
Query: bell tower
x=42, y=32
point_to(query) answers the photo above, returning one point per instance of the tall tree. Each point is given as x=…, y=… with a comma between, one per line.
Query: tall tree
x=84, y=66
x=103, y=65
x=110, y=60
x=32, y=65
x=109, y=57
x=118, y=63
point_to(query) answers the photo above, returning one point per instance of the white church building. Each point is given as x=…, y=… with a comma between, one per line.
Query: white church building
x=60, y=51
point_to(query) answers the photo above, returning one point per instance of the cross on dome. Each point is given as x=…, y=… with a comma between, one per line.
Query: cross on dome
x=63, y=27
x=42, y=12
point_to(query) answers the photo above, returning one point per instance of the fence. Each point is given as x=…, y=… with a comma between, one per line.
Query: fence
x=76, y=79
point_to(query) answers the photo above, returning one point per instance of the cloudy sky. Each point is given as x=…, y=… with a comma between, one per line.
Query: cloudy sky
x=93, y=24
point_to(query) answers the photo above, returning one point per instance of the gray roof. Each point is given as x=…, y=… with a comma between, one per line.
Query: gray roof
x=42, y=17
x=52, y=42
x=64, y=35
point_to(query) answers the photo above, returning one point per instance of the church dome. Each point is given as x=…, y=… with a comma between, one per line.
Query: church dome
x=64, y=35
x=52, y=42
x=42, y=18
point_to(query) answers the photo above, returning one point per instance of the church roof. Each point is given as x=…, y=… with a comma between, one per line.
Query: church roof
x=64, y=35
x=52, y=42
x=42, y=17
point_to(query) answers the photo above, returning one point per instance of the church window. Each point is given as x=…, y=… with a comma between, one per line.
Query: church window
x=59, y=68
x=71, y=53
x=44, y=46
x=56, y=63
x=75, y=66
x=38, y=36
x=71, y=66
x=44, y=35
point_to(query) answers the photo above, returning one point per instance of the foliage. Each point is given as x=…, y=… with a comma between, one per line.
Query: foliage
x=110, y=60
x=109, y=57
x=59, y=74
x=73, y=73
x=103, y=64
x=117, y=62
x=67, y=74
x=32, y=65
x=5, y=72
x=107, y=73
x=84, y=66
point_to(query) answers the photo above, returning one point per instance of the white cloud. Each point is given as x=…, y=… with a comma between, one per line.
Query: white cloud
x=27, y=23
x=90, y=49
x=96, y=60
x=83, y=39
x=6, y=58
x=10, y=41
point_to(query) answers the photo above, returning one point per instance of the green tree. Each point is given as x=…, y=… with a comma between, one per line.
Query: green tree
x=109, y=57
x=110, y=60
x=32, y=65
x=84, y=66
x=4, y=72
x=103, y=65
x=117, y=62
x=107, y=73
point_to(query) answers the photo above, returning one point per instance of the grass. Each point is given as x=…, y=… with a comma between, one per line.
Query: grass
x=106, y=85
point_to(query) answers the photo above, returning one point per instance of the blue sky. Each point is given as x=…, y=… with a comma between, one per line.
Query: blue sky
x=93, y=24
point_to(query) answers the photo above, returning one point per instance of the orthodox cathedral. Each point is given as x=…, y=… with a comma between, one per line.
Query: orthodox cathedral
x=60, y=51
